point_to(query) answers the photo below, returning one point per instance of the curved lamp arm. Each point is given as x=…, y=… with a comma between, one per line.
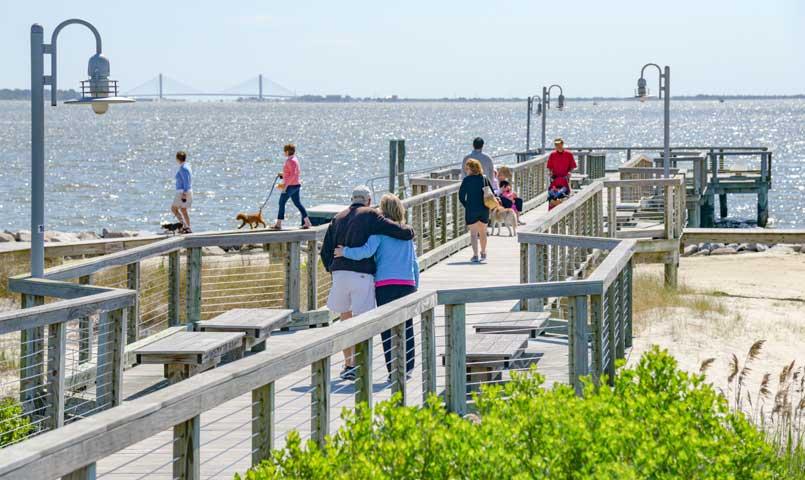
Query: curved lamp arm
x=659, y=70
x=557, y=86
x=53, y=62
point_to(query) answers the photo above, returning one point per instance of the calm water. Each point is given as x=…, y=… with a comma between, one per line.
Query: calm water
x=116, y=170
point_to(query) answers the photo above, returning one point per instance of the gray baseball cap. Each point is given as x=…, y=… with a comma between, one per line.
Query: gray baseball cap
x=361, y=194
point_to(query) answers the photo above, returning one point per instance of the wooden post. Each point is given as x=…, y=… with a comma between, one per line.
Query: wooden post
x=627, y=304
x=455, y=358
x=83, y=473
x=320, y=400
x=111, y=358
x=401, y=168
x=621, y=293
x=293, y=278
x=363, y=384
x=577, y=341
x=133, y=283
x=612, y=208
x=174, y=289
x=428, y=326
x=668, y=216
x=57, y=347
x=262, y=422
x=419, y=214
x=671, y=268
x=398, y=361
x=524, y=261
x=763, y=205
x=535, y=265
x=186, y=446
x=610, y=320
x=32, y=359
x=193, y=285
x=432, y=223
x=392, y=165
x=456, y=212
x=85, y=330
x=312, y=275
x=596, y=319
x=443, y=218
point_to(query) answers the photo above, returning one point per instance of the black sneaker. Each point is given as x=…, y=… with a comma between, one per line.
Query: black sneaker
x=349, y=373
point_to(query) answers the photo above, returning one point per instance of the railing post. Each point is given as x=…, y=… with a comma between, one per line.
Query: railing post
x=364, y=384
x=193, y=285
x=56, y=364
x=83, y=473
x=398, y=361
x=293, y=277
x=577, y=341
x=419, y=218
x=668, y=216
x=456, y=358
x=443, y=218
x=621, y=293
x=262, y=422
x=186, y=449
x=627, y=304
x=174, y=289
x=610, y=320
x=596, y=319
x=320, y=400
x=312, y=275
x=456, y=211
x=32, y=358
x=428, y=326
x=524, y=263
x=133, y=283
x=432, y=223
x=111, y=358
x=612, y=208
x=85, y=330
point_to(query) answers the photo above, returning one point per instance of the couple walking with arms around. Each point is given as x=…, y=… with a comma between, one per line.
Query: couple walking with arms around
x=372, y=259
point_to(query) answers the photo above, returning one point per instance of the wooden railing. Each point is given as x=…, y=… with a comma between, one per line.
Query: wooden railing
x=599, y=304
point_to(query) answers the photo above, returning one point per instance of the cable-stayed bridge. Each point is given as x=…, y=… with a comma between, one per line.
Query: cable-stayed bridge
x=259, y=87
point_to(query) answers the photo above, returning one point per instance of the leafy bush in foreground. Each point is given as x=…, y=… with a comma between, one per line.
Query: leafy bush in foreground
x=655, y=422
x=13, y=425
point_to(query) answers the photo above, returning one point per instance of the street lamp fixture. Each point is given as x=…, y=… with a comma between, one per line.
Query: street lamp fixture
x=99, y=92
x=642, y=93
x=542, y=103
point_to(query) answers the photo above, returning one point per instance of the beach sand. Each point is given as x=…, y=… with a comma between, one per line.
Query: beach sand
x=756, y=296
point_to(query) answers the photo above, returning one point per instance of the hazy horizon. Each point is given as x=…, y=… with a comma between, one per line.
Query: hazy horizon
x=426, y=49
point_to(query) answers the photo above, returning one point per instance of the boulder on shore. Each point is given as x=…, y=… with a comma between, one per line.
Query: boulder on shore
x=690, y=250
x=701, y=253
x=7, y=237
x=723, y=251
x=106, y=233
x=212, y=251
x=88, y=235
x=23, y=236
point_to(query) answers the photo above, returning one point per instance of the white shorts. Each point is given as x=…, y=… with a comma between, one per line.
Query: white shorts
x=352, y=292
x=177, y=200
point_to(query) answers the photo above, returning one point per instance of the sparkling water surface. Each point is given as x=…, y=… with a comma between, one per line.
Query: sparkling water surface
x=116, y=170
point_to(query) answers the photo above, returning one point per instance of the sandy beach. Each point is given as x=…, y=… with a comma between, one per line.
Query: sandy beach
x=735, y=301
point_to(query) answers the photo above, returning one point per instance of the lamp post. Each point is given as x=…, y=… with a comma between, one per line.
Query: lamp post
x=98, y=92
x=546, y=104
x=665, y=93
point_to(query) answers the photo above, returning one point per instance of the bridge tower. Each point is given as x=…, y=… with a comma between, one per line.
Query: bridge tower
x=160, y=86
x=260, y=84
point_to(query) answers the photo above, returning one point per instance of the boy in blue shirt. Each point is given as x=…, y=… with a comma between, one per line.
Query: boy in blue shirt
x=184, y=192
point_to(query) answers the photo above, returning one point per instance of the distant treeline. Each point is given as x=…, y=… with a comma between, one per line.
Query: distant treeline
x=18, y=94
x=395, y=98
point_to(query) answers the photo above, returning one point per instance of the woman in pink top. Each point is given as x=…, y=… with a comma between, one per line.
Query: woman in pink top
x=290, y=186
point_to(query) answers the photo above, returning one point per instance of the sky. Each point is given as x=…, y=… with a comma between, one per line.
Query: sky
x=417, y=48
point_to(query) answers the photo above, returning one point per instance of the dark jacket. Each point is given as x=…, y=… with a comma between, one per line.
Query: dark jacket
x=351, y=228
x=471, y=194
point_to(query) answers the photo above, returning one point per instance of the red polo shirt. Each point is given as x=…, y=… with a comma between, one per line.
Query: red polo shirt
x=560, y=164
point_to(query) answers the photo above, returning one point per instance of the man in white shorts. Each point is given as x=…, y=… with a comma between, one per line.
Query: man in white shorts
x=353, y=289
x=184, y=192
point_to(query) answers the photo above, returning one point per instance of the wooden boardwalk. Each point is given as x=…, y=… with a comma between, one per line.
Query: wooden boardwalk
x=226, y=430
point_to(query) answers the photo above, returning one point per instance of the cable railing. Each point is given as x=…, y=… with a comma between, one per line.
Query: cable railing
x=230, y=418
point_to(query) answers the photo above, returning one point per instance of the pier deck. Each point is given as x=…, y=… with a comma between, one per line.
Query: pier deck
x=233, y=419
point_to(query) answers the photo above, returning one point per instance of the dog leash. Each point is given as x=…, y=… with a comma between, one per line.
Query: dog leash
x=270, y=192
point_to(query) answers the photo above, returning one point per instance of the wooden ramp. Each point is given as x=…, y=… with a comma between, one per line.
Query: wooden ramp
x=226, y=430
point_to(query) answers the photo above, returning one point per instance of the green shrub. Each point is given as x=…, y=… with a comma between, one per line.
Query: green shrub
x=14, y=426
x=655, y=422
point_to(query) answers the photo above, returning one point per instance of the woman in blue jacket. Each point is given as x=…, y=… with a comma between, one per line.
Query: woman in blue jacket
x=397, y=272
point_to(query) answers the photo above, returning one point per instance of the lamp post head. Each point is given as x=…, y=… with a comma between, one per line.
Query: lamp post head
x=99, y=92
x=561, y=105
x=642, y=91
x=539, y=108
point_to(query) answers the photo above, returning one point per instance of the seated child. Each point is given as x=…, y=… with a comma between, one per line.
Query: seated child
x=557, y=194
x=509, y=199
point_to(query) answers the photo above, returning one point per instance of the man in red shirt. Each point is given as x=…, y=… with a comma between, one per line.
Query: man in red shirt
x=561, y=163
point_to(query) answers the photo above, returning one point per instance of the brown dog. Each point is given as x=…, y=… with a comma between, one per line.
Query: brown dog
x=253, y=219
x=503, y=216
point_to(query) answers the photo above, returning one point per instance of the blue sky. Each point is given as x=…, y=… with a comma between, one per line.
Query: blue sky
x=424, y=48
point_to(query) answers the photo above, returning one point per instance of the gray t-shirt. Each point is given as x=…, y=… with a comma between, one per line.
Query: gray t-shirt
x=487, y=164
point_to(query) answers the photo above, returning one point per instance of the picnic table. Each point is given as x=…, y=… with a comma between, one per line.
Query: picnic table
x=256, y=324
x=489, y=355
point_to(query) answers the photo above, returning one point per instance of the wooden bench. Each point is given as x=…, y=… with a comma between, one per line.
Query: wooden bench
x=489, y=354
x=186, y=353
x=531, y=323
x=256, y=324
